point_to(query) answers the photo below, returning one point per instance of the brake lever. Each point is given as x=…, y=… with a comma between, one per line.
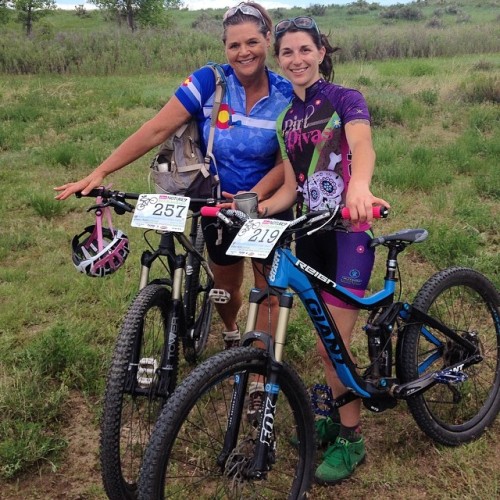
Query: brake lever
x=120, y=206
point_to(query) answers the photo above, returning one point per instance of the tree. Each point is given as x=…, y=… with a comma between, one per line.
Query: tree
x=4, y=12
x=29, y=11
x=147, y=12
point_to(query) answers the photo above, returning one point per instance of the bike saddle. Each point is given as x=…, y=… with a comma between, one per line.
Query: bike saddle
x=403, y=236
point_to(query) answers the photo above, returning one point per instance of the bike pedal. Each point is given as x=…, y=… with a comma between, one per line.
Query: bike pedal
x=146, y=372
x=450, y=377
x=219, y=296
x=322, y=400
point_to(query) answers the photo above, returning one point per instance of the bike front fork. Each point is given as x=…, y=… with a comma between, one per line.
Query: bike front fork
x=264, y=444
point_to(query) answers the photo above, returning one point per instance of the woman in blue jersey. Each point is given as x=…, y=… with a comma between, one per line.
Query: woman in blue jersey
x=245, y=144
x=326, y=143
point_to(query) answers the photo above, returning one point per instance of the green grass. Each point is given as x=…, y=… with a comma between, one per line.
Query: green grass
x=436, y=124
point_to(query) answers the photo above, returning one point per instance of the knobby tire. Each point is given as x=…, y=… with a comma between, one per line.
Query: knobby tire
x=198, y=306
x=467, y=302
x=131, y=402
x=181, y=459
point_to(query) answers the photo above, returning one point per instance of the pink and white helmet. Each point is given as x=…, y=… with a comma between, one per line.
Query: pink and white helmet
x=99, y=251
x=96, y=259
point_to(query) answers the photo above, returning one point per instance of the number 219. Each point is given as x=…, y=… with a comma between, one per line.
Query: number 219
x=261, y=238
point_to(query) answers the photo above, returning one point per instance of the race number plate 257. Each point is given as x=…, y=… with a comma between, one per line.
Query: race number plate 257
x=257, y=238
x=163, y=212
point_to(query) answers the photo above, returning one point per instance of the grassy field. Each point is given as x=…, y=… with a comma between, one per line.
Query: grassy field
x=436, y=124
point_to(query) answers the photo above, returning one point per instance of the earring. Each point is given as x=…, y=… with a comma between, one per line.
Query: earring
x=321, y=61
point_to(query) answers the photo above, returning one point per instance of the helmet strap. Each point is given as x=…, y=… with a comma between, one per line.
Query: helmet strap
x=99, y=213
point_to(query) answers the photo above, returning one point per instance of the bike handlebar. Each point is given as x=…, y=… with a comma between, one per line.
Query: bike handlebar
x=117, y=199
x=379, y=212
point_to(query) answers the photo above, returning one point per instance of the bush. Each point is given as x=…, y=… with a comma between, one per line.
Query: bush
x=435, y=22
x=81, y=11
x=316, y=10
x=405, y=12
x=428, y=96
x=277, y=14
x=463, y=18
x=207, y=24
x=481, y=90
x=452, y=9
x=483, y=66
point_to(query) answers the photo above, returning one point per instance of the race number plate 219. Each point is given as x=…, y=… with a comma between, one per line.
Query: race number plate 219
x=163, y=212
x=257, y=238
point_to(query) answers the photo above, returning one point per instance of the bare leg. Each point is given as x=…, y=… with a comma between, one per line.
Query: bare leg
x=267, y=317
x=229, y=278
x=268, y=311
x=345, y=320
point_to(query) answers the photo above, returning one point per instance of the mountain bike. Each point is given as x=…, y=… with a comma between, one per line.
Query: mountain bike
x=167, y=311
x=445, y=359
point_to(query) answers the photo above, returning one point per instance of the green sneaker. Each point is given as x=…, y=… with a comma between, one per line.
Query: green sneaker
x=340, y=460
x=326, y=432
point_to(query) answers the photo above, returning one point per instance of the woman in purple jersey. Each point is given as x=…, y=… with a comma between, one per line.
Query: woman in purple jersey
x=326, y=143
x=247, y=152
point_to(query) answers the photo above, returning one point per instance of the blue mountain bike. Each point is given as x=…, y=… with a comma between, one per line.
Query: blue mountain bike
x=440, y=354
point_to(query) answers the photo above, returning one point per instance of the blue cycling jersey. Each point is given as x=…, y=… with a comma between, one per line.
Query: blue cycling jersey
x=245, y=145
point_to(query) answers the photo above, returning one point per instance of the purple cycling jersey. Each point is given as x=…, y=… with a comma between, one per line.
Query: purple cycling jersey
x=311, y=134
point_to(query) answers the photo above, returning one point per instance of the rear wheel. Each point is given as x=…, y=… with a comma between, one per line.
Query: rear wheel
x=136, y=388
x=198, y=306
x=183, y=459
x=468, y=303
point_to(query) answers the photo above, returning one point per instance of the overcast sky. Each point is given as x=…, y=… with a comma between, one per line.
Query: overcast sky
x=219, y=4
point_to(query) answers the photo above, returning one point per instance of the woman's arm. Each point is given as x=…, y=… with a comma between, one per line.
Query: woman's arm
x=151, y=134
x=284, y=197
x=272, y=181
x=359, y=198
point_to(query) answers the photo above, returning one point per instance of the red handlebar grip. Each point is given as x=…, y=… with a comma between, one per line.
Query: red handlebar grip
x=379, y=212
x=210, y=211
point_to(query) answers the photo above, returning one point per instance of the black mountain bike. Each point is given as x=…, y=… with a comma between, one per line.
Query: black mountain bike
x=445, y=358
x=167, y=312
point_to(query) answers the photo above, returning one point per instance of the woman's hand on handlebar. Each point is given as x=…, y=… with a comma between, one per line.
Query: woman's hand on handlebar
x=360, y=204
x=229, y=203
x=85, y=185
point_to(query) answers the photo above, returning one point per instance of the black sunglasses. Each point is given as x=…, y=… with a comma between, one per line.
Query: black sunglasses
x=301, y=22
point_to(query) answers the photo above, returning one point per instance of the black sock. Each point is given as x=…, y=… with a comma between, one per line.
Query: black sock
x=352, y=434
x=335, y=415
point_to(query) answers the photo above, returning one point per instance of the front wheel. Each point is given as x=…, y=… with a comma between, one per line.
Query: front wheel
x=468, y=303
x=198, y=306
x=183, y=459
x=136, y=388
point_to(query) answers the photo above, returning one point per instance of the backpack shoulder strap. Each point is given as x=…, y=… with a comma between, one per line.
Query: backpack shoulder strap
x=220, y=88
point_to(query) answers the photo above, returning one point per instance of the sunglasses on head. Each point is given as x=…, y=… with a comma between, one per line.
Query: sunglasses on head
x=244, y=8
x=301, y=22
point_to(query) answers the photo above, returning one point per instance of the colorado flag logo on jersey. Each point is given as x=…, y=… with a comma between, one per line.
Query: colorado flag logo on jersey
x=224, y=117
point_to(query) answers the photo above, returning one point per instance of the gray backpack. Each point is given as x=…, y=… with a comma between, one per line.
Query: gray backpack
x=180, y=167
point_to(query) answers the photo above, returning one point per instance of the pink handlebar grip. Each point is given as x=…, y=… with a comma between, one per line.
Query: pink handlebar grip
x=210, y=211
x=379, y=212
